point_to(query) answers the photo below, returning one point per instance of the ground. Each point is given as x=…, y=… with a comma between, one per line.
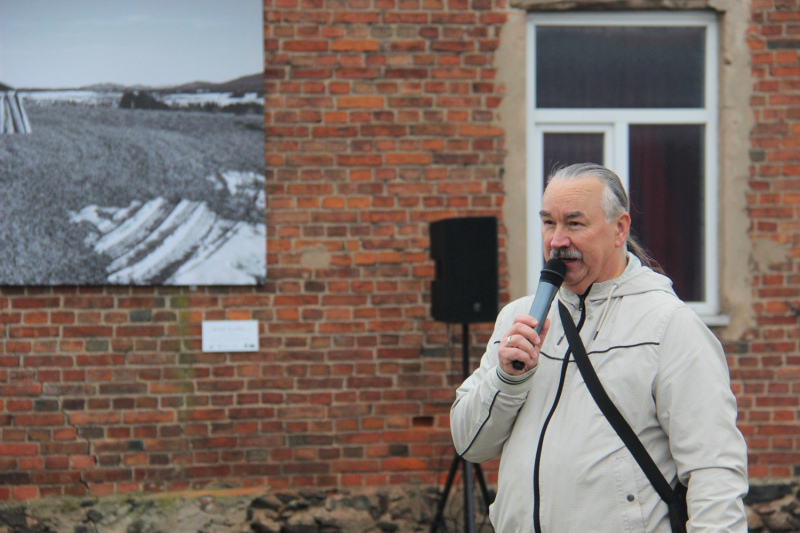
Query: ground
x=306, y=511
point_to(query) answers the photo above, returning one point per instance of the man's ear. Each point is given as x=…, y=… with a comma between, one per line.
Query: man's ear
x=623, y=229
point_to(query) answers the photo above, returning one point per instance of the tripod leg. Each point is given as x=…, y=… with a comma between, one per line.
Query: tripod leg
x=484, y=490
x=469, y=503
x=443, y=499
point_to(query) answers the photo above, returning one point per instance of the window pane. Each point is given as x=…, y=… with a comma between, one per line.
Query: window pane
x=666, y=194
x=563, y=149
x=616, y=66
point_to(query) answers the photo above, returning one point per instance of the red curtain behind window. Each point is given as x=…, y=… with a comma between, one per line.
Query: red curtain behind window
x=666, y=193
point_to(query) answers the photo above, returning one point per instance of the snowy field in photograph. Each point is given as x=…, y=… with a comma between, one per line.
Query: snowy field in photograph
x=220, y=99
x=72, y=97
x=183, y=243
x=112, y=98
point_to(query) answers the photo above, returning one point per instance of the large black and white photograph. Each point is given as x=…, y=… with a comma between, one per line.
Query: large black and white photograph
x=132, y=142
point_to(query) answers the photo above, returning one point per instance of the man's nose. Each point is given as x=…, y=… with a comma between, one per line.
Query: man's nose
x=559, y=239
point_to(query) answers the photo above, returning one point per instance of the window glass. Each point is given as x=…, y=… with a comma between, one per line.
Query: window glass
x=637, y=92
x=619, y=66
x=563, y=149
x=666, y=194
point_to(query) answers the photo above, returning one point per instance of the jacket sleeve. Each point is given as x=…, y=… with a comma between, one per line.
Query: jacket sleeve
x=487, y=403
x=697, y=410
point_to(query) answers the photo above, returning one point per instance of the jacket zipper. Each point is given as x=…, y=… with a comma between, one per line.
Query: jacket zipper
x=537, y=526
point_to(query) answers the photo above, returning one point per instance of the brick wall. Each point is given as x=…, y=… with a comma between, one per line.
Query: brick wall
x=382, y=115
x=765, y=365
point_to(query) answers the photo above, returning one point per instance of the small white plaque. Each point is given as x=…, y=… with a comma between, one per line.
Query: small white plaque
x=230, y=335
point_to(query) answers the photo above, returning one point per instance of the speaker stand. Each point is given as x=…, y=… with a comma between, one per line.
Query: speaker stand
x=469, y=505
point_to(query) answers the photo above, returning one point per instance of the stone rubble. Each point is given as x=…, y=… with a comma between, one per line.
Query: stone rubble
x=290, y=511
x=770, y=509
x=773, y=508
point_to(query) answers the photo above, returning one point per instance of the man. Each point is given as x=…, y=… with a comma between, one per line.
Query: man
x=563, y=467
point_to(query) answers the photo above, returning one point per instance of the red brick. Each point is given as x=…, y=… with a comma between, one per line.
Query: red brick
x=305, y=45
x=359, y=45
x=148, y=417
x=472, y=130
x=356, y=17
x=140, y=331
x=40, y=419
x=403, y=463
x=18, y=449
x=408, y=159
x=35, y=303
x=359, y=102
x=89, y=302
x=32, y=332
x=334, y=131
x=87, y=331
x=393, y=73
x=360, y=160
x=22, y=389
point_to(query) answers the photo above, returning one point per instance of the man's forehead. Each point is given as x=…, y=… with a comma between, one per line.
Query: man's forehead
x=573, y=197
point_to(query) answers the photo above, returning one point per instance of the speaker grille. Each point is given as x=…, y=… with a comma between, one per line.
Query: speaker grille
x=465, y=286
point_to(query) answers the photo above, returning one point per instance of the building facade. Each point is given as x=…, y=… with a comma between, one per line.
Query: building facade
x=383, y=116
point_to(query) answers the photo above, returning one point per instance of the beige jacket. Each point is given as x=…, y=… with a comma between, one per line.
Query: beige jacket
x=666, y=373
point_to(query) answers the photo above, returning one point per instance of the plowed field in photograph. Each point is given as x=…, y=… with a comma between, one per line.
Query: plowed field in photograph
x=82, y=155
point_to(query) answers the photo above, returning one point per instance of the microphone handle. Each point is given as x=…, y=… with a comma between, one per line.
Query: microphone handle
x=545, y=294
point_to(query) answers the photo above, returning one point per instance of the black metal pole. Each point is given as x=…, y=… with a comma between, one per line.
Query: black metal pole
x=469, y=502
x=437, y=519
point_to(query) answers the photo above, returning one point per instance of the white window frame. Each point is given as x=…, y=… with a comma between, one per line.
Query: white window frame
x=615, y=123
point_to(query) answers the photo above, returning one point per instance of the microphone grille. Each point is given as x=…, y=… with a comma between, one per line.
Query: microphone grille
x=554, y=271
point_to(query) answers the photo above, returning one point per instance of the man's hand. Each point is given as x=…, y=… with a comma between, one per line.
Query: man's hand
x=522, y=343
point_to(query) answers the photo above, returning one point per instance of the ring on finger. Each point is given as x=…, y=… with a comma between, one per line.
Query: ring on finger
x=508, y=341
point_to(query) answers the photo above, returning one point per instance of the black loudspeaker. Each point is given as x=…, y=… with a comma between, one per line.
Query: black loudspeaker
x=465, y=287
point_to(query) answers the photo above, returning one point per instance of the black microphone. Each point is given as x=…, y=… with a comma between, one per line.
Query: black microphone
x=549, y=282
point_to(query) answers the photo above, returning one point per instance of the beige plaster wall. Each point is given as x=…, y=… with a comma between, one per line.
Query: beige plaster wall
x=735, y=250
x=511, y=59
x=736, y=121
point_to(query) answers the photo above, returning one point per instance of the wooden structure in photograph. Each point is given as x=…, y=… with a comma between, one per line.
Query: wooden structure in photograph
x=13, y=118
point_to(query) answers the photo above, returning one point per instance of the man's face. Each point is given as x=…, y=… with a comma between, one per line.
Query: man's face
x=574, y=226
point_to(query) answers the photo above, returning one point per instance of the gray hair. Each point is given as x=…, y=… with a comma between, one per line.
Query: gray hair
x=614, y=200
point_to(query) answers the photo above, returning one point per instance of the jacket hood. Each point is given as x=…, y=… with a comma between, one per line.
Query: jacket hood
x=635, y=279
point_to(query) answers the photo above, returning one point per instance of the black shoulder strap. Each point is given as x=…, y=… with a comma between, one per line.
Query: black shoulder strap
x=611, y=412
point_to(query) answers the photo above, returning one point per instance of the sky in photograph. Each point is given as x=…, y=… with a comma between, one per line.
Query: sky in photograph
x=74, y=43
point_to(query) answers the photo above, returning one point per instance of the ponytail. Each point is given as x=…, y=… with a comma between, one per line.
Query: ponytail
x=636, y=249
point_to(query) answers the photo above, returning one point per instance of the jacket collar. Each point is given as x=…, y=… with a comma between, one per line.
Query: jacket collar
x=601, y=291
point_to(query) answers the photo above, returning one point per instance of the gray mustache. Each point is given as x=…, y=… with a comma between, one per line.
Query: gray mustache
x=565, y=253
